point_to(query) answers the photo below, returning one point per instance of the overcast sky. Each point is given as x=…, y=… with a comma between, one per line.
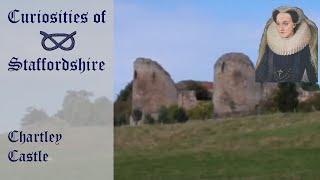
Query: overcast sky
x=187, y=36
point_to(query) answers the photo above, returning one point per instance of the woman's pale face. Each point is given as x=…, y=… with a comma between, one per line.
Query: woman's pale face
x=285, y=25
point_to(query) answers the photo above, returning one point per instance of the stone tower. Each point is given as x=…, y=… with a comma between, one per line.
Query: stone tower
x=152, y=87
x=236, y=92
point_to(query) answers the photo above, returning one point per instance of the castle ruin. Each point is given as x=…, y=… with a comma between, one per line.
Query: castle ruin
x=152, y=87
x=236, y=91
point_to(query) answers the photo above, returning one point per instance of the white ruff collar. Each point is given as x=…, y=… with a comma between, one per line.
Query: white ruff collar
x=291, y=45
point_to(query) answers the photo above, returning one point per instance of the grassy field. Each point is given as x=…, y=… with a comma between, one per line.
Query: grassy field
x=276, y=146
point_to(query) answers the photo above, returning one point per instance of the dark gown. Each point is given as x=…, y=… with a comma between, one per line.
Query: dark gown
x=290, y=68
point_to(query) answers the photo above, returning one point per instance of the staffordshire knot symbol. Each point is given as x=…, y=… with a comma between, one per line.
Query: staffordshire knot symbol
x=57, y=45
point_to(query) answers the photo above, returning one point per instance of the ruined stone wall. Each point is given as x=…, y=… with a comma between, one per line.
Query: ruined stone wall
x=305, y=95
x=152, y=87
x=236, y=91
x=267, y=89
x=187, y=99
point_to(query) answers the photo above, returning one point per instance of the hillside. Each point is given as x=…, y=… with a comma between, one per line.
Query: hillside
x=285, y=146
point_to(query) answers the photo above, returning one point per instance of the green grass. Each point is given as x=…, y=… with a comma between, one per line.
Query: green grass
x=276, y=146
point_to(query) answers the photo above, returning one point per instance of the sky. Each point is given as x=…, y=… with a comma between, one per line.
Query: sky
x=187, y=36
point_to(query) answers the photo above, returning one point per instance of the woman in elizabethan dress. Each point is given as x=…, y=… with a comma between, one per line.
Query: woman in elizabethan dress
x=289, y=48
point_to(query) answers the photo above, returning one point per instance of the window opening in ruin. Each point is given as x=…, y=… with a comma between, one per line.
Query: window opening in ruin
x=135, y=74
x=153, y=76
x=222, y=67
